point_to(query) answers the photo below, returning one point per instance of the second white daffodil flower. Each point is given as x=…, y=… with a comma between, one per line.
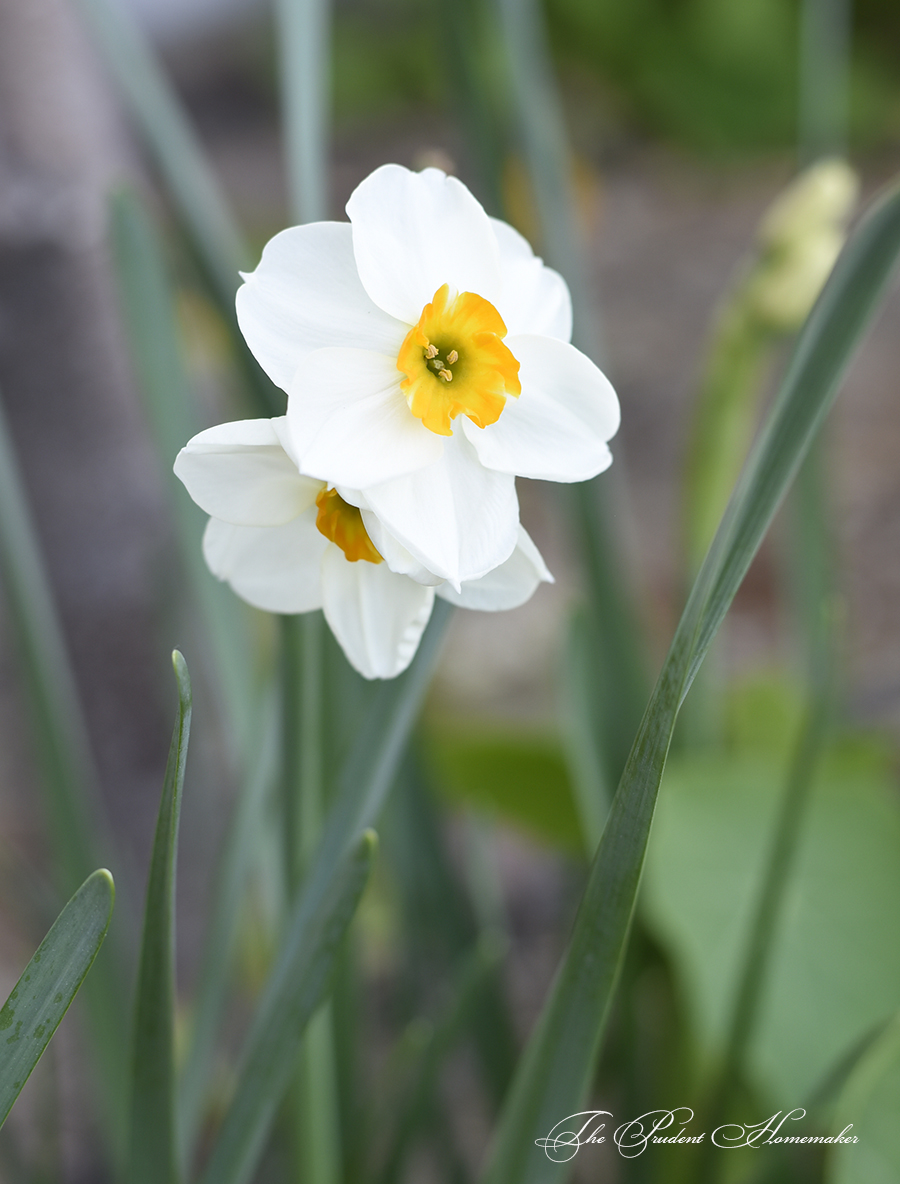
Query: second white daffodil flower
x=290, y=544
x=425, y=352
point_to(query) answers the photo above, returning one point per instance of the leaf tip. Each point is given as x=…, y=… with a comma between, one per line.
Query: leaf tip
x=182, y=677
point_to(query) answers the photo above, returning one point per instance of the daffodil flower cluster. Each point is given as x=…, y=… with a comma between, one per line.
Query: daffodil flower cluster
x=425, y=353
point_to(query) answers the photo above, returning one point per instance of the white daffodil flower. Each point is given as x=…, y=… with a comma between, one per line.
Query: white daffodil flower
x=289, y=543
x=425, y=352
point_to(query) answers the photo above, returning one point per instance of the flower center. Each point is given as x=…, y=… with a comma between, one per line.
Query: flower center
x=342, y=523
x=456, y=363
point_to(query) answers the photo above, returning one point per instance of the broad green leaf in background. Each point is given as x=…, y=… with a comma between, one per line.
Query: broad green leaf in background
x=49, y=983
x=295, y=989
x=555, y=1071
x=835, y=963
x=152, y=1146
x=871, y=1103
x=517, y=774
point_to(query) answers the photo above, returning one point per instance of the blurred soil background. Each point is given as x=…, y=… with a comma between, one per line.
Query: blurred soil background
x=683, y=118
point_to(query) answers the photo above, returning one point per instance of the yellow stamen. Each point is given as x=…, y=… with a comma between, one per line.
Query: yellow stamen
x=342, y=524
x=465, y=333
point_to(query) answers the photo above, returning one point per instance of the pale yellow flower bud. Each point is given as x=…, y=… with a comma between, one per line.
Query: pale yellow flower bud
x=782, y=293
x=822, y=196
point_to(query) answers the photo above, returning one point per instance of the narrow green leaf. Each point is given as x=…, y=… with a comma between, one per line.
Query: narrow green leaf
x=212, y=984
x=172, y=141
x=199, y=201
x=443, y=919
x=555, y=1071
x=365, y=780
x=49, y=983
x=79, y=830
x=580, y=734
x=304, y=40
x=152, y=1148
x=619, y=658
x=77, y=827
x=419, y=1099
x=296, y=987
x=165, y=388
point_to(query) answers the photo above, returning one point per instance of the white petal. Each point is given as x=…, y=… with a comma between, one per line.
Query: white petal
x=240, y=472
x=377, y=616
x=507, y=586
x=394, y=554
x=457, y=518
x=305, y=295
x=276, y=568
x=535, y=298
x=413, y=233
x=558, y=427
x=350, y=423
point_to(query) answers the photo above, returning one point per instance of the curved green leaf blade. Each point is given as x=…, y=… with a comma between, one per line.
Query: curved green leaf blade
x=869, y=1106
x=172, y=141
x=294, y=991
x=77, y=820
x=49, y=983
x=148, y=313
x=555, y=1071
x=152, y=1147
x=197, y=196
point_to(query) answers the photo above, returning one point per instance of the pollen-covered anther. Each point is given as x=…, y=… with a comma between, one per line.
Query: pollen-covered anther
x=452, y=357
x=446, y=375
x=431, y=352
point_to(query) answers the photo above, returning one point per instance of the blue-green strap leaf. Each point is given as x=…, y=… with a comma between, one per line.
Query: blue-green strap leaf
x=49, y=983
x=295, y=989
x=152, y=1147
x=556, y=1069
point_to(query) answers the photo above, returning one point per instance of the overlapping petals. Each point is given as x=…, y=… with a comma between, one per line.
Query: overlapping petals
x=327, y=313
x=425, y=352
x=263, y=540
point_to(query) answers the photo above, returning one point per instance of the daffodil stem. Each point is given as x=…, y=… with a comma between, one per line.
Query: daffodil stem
x=302, y=729
x=543, y=135
x=312, y=1106
x=305, y=44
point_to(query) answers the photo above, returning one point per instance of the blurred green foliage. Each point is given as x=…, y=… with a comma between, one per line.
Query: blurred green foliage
x=871, y=1101
x=710, y=75
x=836, y=965
x=519, y=775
